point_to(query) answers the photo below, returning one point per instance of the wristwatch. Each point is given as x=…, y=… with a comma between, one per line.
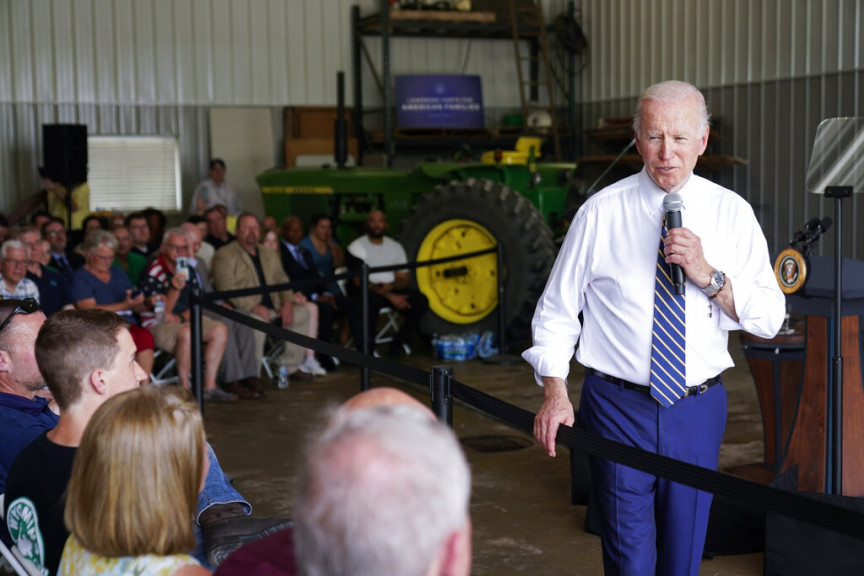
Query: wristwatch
x=718, y=280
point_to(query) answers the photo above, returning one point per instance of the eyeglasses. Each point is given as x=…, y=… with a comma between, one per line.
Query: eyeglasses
x=178, y=247
x=15, y=262
x=26, y=306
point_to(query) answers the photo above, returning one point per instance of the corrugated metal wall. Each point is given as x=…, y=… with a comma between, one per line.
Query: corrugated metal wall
x=771, y=69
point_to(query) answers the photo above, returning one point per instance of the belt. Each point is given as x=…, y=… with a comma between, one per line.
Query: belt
x=689, y=391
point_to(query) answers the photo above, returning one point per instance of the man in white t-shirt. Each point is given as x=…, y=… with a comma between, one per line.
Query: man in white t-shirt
x=388, y=288
x=215, y=190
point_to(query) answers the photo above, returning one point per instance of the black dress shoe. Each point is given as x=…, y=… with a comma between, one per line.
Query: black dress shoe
x=225, y=536
x=254, y=384
x=300, y=375
x=237, y=388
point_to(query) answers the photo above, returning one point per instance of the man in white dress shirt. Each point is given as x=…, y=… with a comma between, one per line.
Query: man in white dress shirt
x=606, y=270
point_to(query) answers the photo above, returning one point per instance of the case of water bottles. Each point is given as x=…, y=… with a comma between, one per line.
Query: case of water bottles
x=466, y=346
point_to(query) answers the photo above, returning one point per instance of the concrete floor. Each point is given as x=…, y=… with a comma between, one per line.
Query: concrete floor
x=523, y=520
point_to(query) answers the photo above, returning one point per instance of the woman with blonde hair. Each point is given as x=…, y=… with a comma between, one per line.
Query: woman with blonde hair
x=131, y=501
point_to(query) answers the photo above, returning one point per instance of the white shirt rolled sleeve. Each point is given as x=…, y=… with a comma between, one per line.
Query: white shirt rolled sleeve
x=606, y=269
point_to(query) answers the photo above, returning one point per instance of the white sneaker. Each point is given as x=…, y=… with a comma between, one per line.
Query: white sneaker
x=310, y=364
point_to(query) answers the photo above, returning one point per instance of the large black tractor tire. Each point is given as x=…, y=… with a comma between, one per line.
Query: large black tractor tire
x=468, y=216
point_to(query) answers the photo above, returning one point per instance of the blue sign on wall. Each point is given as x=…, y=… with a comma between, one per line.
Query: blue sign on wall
x=439, y=101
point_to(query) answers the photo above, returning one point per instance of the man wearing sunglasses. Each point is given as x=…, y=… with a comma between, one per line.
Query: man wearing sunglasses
x=23, y=413
x=222, y=514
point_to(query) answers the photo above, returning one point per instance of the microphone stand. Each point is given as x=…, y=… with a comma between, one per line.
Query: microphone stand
x=836, y=400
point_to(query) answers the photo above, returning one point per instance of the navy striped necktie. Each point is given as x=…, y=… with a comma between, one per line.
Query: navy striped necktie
x=668, y=372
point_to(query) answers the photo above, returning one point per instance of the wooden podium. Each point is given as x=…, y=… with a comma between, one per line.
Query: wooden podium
x=810, y=441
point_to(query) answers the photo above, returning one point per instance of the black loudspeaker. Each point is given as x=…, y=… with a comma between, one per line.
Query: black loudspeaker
x=64, y=153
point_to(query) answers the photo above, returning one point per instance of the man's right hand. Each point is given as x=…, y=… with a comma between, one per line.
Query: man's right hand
x=556, y=410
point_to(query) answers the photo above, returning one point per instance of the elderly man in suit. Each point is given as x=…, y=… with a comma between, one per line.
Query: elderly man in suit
x=244, y=263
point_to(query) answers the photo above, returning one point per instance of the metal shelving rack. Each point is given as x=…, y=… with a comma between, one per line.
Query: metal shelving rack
x=381, y=25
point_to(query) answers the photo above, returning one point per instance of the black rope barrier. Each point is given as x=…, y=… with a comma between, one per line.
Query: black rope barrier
x=738, y=490
x=443, y=389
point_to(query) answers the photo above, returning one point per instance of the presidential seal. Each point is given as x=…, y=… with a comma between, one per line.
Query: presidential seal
x=790, y=269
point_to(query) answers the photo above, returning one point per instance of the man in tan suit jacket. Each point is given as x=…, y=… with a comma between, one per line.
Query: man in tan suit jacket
x=245, y=263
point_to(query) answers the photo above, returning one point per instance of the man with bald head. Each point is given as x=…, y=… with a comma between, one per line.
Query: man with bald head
x=386, y=289
x=24, y=411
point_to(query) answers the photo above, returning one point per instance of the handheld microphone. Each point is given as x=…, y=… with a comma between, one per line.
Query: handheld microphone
x=672, y=204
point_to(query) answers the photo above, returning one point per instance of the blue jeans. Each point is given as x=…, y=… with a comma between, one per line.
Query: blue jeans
x=217, y=490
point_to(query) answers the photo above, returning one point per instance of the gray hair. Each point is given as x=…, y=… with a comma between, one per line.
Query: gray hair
x=175, y=231
x=671, y=91
x=98, y=238
x=11, y=245
x=381, y=490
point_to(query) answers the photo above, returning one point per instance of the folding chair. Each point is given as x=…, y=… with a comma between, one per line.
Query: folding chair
x=164, y=369
x=390, y=328
x=270, y=360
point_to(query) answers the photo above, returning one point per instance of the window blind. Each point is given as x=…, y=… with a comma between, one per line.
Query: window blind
x=133, y=172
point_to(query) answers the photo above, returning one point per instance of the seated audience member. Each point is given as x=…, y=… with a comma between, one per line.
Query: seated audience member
x=131, y=262
x=63, y=259
x=139, y=229
x=240, y=365
x=87, y=357
x=101, y=284
x=269, y=239
x=54, y=292
x=383, y=490
x=13, y=269
x=46, y=253
x=217, y=228
x=386, y=288
x=246, y=264
x=326, y=253
x=24, y=413
x=274, y=555
x=115, y=219
x=4, y=228
x=173, y=332
x=269, y=223
x=39, y=218
x=141, y=463
x=298, y=265
x=157, y=221
x=92, y=223
x=206, y=251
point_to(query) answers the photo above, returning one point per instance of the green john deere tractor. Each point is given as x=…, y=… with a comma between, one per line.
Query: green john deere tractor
x=439, y=210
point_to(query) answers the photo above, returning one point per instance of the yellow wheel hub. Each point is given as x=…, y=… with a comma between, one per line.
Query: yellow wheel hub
x=462, y=291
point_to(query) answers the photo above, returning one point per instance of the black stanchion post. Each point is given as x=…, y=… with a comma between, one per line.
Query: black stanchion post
x=364, y=343
x=502, y=328
x=502, y=358
x=442, y=396
x=195, y=334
